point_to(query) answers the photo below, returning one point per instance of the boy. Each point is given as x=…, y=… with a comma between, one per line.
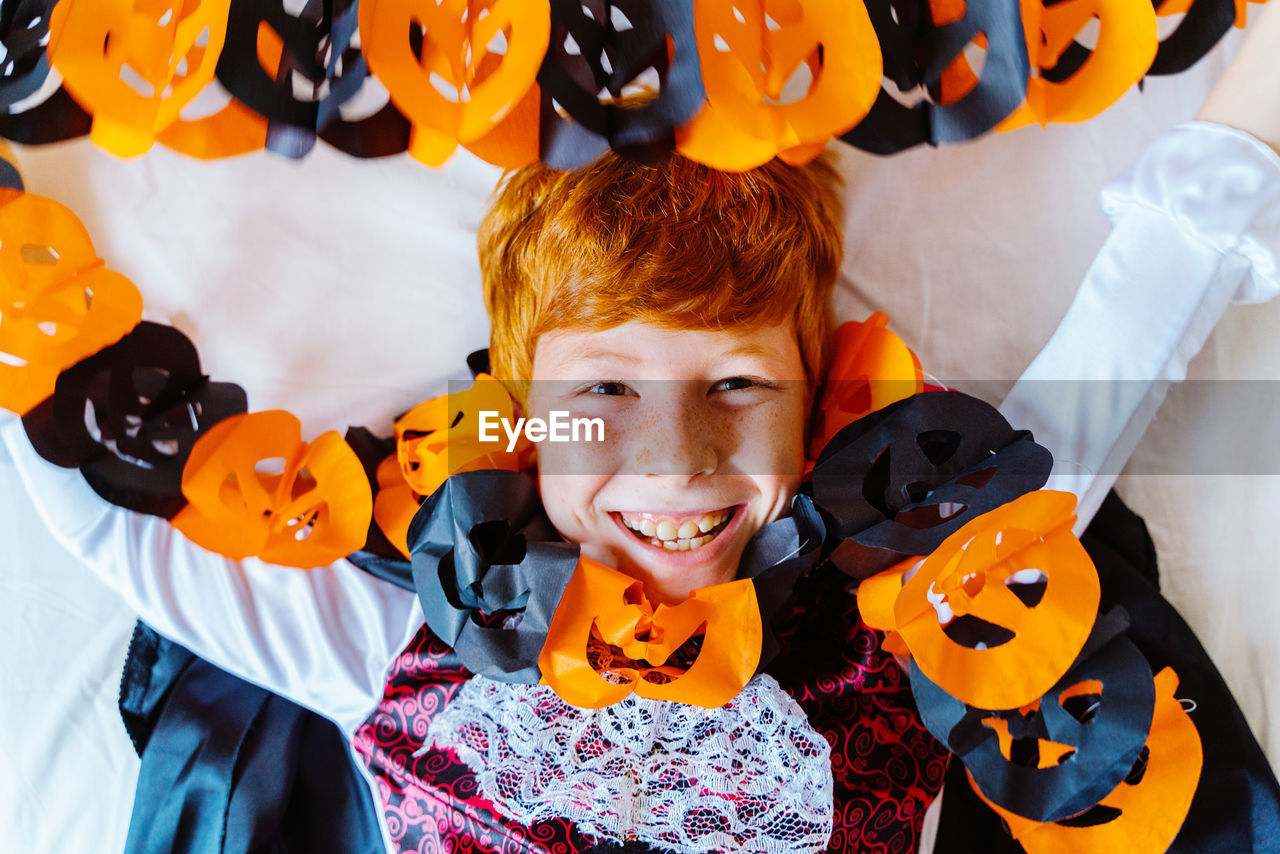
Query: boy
x=688, y=309
x=704, y=389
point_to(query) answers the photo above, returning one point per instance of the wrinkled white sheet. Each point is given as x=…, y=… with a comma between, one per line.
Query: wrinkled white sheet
x=348, y=291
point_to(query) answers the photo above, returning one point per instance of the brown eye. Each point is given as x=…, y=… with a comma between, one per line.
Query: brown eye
x=609, y=388
x=733, y=384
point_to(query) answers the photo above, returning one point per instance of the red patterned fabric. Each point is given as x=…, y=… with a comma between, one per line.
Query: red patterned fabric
x=886, y=766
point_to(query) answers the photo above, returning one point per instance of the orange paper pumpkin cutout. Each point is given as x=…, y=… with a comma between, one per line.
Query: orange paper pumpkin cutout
x=134, y=64
x=233, y=129
x=312, y=512
x=395, y=504
x=475, y=83
x=970, y=575
x=439, y=438
x=876, y=597
x=1144, y=813
x=749, y=51
x=610, y=606
x=58, y=303
x=871, y=368
x=1125, y=48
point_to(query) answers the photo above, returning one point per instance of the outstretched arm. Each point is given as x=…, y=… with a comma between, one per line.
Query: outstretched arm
x=322, y=638
x=1196, y=227
x=1247, y=96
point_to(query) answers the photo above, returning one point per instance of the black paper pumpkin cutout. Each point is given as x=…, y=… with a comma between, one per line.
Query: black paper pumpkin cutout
x=1072, y=748
x=917, y=52
x=128, y=416
x=24, y=32
x=903, y=479
x=315, y=50
x=602, y=46
x=1202, y=27
x=489, y=569
x=24, y=29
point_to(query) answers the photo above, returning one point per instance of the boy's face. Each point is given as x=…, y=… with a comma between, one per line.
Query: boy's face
x=703, y=445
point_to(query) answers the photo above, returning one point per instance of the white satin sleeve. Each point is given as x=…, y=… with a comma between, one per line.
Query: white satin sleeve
x=1196, y=226
x=324, y=638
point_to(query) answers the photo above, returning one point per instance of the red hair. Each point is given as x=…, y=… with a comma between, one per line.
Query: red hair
x=673, y=243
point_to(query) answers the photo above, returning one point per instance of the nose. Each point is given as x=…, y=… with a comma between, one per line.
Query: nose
x=678, y=438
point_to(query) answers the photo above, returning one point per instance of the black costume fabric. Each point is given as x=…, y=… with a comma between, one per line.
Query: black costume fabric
x=230, y=768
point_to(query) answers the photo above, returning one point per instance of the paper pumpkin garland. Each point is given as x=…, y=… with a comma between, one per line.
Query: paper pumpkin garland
x=1125, y=48
x=516, y=81
x=973, y=573
x=1145, y=811
x=904, y=478
x=1053, y=758
x=1052, y=709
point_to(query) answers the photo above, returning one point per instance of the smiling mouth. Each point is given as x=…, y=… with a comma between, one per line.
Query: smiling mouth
x=678, y=533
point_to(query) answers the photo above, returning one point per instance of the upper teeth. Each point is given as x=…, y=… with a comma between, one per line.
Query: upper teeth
x=672, y=536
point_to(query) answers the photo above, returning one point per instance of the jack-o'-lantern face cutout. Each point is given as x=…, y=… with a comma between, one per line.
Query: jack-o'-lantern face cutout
x=1143, y=814
x=902, y=479
x=439, y=438
x=58, y=303
x=604, y=621
x=460, y=70
x=1000, y=610
x=24, y=28
x=871, y=368
x=256, y=489
x=1202, y=25
x=443, y=436
x=489, y=569
x=923, y=46
x=750, y=52
x=1073, y=83
x=128, y=416
x=296, y=66
x=1059, y=755
x=135, y=64
x=600, y=52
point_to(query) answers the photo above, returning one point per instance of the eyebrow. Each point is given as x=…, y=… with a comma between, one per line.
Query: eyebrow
x=740, y=350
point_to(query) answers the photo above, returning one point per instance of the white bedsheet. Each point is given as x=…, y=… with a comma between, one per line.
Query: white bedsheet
x=348, y=291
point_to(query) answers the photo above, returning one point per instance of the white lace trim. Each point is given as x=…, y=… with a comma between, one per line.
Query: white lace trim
x=749, y=776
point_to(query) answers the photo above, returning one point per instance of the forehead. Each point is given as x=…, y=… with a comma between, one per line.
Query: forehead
x=641, y=350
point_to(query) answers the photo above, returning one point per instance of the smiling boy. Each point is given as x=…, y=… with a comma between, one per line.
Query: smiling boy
x=688, y=309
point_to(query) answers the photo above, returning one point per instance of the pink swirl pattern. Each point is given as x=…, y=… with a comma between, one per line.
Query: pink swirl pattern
x=886, y=766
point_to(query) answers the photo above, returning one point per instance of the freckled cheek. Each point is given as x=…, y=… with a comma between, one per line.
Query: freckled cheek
x=766, y=442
